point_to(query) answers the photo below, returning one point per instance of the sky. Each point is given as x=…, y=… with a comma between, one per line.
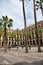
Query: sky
x=13, y=9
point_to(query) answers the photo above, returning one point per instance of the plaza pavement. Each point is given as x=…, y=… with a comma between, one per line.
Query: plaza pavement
x=19, y=57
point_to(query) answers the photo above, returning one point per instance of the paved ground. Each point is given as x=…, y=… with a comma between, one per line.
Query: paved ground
x=19, y=57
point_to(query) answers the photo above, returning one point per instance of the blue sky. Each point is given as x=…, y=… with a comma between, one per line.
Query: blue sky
x=13, y=9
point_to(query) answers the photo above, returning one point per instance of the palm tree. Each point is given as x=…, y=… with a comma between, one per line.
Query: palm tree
x=25, y=32
x=39, y=49
x=39, y=5
x=6, y=23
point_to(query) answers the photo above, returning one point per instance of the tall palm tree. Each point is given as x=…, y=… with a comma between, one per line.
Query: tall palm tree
x=39, y=5
x=6, y=23
x=39, y=49
x=25, y=32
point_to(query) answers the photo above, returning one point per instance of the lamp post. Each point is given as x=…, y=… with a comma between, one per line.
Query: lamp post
x=39, y=49
x=25, y=32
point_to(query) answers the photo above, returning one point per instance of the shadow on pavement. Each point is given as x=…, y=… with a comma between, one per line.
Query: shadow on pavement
x=33, y=63
x=22, y=63
x=26, y=63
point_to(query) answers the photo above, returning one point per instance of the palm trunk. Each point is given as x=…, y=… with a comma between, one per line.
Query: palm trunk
x=39, y=49
x=26, y=44
x=5, y=38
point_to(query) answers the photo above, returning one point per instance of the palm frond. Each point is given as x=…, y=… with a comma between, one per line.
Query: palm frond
x=10, y=20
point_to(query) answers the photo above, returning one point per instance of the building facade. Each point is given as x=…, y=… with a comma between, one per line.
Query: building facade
x=19, y=37
x=31, y=34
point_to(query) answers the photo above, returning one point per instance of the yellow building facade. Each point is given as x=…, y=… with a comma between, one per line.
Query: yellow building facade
x=31, y=38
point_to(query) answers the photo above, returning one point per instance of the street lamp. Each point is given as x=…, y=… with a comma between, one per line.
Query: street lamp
x=37, y=37
x=25, y=32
